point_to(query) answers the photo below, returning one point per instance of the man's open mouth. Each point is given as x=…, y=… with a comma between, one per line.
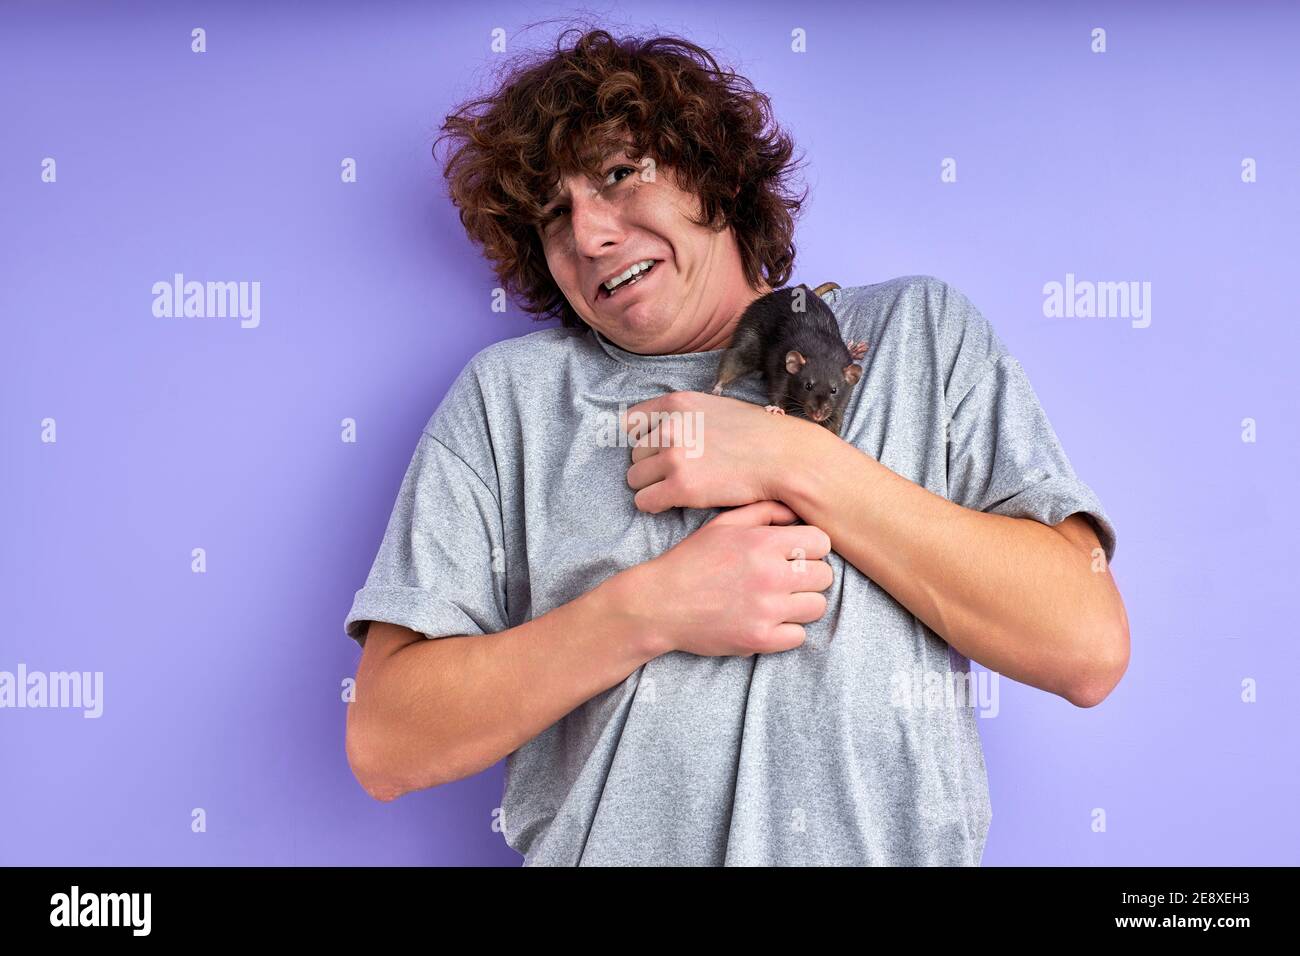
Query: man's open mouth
x=604, y=293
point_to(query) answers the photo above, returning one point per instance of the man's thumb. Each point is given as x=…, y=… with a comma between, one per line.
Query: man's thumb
x=755, y=514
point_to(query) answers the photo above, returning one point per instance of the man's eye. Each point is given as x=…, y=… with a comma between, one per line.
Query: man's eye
x=630, y=169
x=553, y=213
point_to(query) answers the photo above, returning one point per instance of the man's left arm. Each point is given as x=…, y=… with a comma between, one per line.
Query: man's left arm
x=1033, y=602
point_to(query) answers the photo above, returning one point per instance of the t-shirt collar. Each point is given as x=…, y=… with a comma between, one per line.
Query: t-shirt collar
x=682, y=360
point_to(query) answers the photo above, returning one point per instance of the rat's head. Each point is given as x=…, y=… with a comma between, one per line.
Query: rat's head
x=818, y=383
x=610, y=153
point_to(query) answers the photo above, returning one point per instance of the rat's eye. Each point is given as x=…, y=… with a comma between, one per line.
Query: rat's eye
x=807, y=386
x=834, y=389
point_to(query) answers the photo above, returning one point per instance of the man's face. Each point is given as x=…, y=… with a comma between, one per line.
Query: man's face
x=594, y=230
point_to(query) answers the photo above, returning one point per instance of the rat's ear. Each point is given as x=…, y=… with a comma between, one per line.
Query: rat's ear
x=852, y=373
x=794, y=361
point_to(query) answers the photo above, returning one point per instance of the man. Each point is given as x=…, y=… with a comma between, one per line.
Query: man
x=675, y=670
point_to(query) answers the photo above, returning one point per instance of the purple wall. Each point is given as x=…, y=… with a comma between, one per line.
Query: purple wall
x=222, y=690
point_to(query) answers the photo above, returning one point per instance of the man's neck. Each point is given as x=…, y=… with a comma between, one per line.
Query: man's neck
x=719, y=330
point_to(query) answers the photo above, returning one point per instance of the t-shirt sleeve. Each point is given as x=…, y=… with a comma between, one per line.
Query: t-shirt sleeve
x=1004, y=457
x=439, y=569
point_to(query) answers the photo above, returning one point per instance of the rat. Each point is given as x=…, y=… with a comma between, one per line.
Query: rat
x=807, y=367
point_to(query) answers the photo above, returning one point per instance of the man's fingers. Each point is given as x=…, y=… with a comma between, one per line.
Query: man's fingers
x=785, y=637
x=799, y=541
x=756, y=514
x=642, y=450
x=648, y=471
x=649, y=443
x=804, y=607
x=807, y=574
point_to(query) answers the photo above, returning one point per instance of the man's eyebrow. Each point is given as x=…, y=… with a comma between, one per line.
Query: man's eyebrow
x=556, y=194
x=559, y=192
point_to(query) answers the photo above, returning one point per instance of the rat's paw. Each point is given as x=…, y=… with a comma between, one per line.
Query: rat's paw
x=717, y=389
x=774, y=409
x=857, y=350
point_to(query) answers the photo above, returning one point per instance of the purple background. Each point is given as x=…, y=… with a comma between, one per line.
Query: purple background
x=222, y=690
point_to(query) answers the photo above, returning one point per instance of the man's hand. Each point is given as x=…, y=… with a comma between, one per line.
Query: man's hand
x=694, y=450
x=735, y=586
x=1019, y=597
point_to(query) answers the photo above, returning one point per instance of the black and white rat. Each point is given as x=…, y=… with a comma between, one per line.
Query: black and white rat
x=792, y=337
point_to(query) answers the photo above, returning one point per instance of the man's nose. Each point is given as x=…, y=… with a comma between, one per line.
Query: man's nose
x=594, y=223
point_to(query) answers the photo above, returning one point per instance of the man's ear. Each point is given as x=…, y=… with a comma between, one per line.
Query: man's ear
x=794, y=361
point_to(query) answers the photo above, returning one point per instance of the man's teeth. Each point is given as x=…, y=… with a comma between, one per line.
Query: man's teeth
x=636, y=269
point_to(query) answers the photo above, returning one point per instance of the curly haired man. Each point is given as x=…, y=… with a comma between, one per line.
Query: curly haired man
x=758, y=653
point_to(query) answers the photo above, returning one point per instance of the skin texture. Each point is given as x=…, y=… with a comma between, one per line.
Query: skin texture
x=595, y=229
x=1038, y=605
x=1033, y=606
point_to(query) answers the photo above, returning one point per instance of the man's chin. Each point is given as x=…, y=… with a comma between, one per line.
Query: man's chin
x=638, y=331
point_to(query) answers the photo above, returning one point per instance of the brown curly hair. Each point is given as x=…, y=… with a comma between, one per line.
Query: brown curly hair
x=562, y=113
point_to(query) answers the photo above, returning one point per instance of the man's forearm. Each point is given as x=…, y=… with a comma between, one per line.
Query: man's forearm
x=440, y=710
x=1011, y=593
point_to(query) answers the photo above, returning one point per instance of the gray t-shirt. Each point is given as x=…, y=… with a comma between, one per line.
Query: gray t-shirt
x=847, y=750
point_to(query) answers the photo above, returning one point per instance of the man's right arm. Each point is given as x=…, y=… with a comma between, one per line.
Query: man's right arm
x=428, y=712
